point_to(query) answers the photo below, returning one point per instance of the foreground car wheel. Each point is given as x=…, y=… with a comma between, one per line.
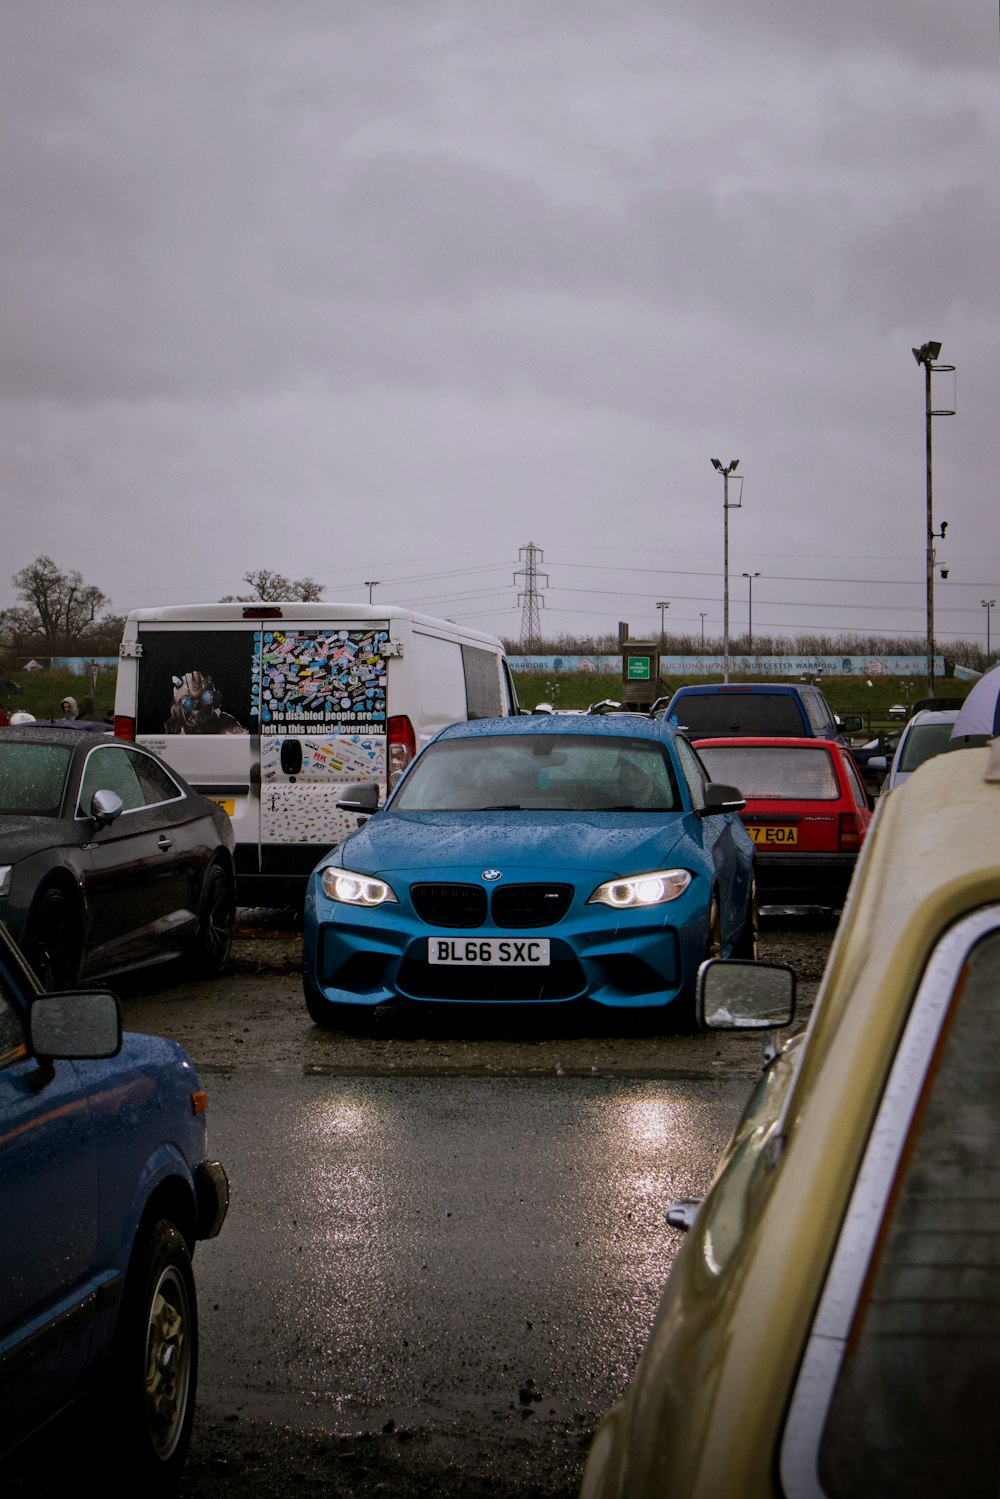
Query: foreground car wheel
x=53, y=944
x=217, y=922
x=155, y=1362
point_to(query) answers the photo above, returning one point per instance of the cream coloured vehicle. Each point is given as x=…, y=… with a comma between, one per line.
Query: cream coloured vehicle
x=831, y=1325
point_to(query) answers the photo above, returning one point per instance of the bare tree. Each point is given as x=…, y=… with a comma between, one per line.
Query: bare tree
x=60, y=613
x=269, y=587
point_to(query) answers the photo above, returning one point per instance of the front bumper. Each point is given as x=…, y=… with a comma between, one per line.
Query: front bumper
x=625, y=959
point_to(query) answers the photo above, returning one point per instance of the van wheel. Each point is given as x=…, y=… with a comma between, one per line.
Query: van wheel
x=54, y=942
x=154, y=1363
x=216, y=923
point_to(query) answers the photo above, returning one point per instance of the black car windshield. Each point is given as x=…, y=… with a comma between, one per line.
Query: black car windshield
x=32, y=777
x=786, y=773
x=540, y=772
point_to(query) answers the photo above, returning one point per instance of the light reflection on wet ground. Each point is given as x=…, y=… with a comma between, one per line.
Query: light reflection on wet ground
x=403, y=1245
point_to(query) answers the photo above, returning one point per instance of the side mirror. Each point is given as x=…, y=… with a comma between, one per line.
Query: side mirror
x=105, y=806
x=879, y=763
x=853, y=723
x=361, y=799
x=734, y=995
x=721, y=798
x=74, y=1027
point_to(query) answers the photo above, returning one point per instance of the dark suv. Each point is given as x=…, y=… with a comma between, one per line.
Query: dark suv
x=794, y=710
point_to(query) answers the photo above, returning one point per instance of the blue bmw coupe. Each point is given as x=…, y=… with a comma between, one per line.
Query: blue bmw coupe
x=535, y=860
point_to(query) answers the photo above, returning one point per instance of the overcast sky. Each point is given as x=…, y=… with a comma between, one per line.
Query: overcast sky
x=387, y=289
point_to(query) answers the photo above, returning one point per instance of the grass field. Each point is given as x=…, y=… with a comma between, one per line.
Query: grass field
x=42, y=692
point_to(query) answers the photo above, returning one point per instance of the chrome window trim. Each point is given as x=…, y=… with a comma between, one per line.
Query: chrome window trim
x=137, y=749
x=814, y=1388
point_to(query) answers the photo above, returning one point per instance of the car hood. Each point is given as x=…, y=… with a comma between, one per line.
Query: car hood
x=610, y=842
x=20, y=835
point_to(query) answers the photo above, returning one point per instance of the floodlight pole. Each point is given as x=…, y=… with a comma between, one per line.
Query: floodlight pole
x=750, y=577
x=726, y=507
x=662, y=605
x=371, y=583
x=988, y=605
x=926, y=355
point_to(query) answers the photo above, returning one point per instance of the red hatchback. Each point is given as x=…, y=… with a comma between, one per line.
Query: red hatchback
x=807, y=812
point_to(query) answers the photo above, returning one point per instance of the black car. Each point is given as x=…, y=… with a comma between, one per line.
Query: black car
x=108, y=859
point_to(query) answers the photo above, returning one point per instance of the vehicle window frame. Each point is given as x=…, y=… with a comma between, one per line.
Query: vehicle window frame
x=139, y=757
x=695, y=775
x=80, y=814
x=872, y=1202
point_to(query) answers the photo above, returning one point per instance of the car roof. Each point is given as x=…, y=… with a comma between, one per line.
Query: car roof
x=40, y=733
x=603, y=725
x=783, y=687
x=761, y=741
x=934, y=856
x=933, y=715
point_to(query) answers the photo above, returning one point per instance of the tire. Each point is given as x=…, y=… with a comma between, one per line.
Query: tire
x=54, y=941
x=713, y=941
x=216, y=924
x=746, y=944
x=154, y=1363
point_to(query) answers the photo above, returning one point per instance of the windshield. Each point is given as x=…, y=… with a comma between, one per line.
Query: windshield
x=772, y=771
x=540, y=772
x=32, y=777
x=923, y=742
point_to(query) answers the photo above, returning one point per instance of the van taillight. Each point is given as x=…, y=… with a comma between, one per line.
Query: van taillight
x=402, y=747
x=124, y=727
x=851, y=832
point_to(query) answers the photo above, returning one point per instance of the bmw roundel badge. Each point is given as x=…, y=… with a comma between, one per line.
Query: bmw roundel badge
x=491, y=874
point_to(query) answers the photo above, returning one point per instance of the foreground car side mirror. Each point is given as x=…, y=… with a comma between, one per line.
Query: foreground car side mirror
x=721, y=798
x=362, y=799
x=852, y=724
x=736, y=995
x=83, y=1026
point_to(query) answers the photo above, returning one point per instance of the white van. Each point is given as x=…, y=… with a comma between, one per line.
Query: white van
x=272, y=709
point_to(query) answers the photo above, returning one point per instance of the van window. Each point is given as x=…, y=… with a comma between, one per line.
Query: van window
x=482, y=683
x=822, y=720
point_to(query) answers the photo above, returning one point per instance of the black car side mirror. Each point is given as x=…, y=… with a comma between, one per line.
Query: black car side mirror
x=362, y=799
x=105, y=806
x=721, y=798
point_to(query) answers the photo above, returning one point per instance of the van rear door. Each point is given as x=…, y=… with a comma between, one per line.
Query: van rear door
x=272, y=723
x=320, y=695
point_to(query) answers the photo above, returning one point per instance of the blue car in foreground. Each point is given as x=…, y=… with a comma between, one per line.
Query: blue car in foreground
x=535, y=860
x=105, y=1186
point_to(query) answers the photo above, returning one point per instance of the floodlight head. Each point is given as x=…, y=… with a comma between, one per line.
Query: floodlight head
x=927, y=352
x=933, y=350
x=944, y=527
x=733, y=464
x=717, y=464
x=944, y=572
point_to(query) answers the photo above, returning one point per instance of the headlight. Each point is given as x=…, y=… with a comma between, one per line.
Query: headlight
x=355, y=889
x=652, y=889
x=6, y=878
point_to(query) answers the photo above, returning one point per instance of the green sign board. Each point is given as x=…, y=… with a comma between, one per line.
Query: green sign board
x=638, y=668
